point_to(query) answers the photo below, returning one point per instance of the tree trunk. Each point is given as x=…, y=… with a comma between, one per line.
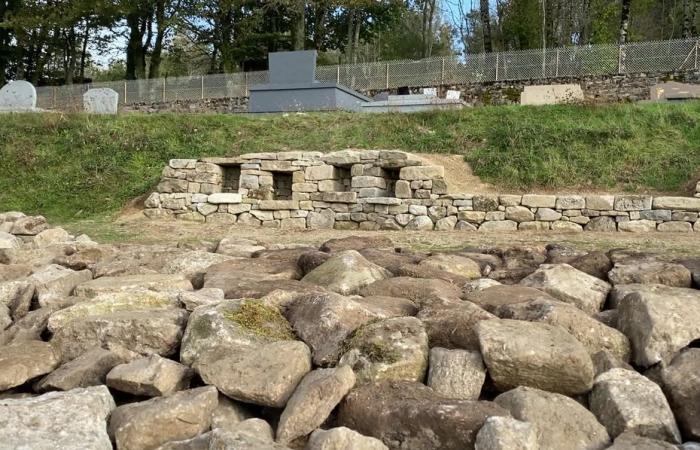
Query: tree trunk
x=83, y=52
x=154, y=69
x=349, y=50
x=624, y=21
x=299, y=25
x=689, y=9
x=71, y=56
x=134, y=48
x=486, y=25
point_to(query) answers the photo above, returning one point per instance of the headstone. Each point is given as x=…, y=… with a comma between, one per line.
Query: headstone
x=101, y=101
x=18, y=96
x=674, y=91
x=430, y=91
x=453, y=95
x=292, y=67
x=551, y=94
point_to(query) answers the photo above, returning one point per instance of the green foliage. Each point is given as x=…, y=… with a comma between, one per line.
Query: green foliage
x=81, y=166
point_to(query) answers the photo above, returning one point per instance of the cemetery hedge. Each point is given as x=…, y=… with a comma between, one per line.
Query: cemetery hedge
x=69, y=166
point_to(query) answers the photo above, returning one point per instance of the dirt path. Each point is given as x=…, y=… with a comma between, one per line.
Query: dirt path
x=137, y=229
x=458, y=174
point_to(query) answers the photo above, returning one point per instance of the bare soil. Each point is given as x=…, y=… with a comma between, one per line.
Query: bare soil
x=136, y=228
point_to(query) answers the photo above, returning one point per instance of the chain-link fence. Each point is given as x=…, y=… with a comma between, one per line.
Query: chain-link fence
x=604, y=59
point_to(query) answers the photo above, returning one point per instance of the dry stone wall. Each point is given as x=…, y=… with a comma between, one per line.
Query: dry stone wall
x=387, y=190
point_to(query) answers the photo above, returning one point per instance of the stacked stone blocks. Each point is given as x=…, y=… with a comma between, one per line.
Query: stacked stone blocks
x=388, y=190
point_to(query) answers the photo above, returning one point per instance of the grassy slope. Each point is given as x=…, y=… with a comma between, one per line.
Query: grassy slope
x=68, y=166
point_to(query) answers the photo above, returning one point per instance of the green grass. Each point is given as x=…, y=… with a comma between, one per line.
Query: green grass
x=79, y=166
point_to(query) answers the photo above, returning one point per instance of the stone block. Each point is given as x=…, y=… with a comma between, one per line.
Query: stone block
x=331, y=186
x=675, y=227
x=510, y=200
x=569, y=227
x=486, y=202
x=421, y=172
x=371, y=192
x=472, y=216
x=539, y=201
x=368, y=182
x=278, y=166
x=293, y=224
x=534, y=226
x=318, y=173
x=340, y=197
x=225, y=197
x=239, y=208
x=570, y=202
x=552, y=94
x=274, y=205
x=654, y=214
x=304, y=187
x=632, y=202
x=182, y=163
x=249, y=181
x=499, y=225
x=683, y=203
x=495, y=215
x=418, y=210
x=637, y=226
x=171, y=185
x=547, y=215
x=383, y=201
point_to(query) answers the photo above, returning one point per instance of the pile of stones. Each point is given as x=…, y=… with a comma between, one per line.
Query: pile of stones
x=357, y=344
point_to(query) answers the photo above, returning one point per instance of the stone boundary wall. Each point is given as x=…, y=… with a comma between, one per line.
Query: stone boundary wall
x=387, y=190
x=596, y=89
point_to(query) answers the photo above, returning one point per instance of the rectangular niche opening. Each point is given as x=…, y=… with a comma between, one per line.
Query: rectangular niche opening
x=391, y=176
x=344, y=178
x=232, y=178
x=282, y=185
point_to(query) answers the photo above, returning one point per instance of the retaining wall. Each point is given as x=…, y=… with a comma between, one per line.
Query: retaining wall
x=387, y=190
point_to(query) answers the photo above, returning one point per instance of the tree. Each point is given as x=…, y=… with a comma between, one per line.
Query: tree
x=624, y=21
x=486, y=25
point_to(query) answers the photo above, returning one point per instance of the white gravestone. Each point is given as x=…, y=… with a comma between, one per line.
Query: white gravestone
x=430, y=91
x=552, y=94
x=453, y=95
x=101, y=101
x=18, y=96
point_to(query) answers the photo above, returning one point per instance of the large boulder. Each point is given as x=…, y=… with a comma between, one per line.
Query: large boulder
x=88, y=369
x=24, y=361
x=569, y=285
x=458, y=374
x=388, y=349
x=238, y=277
x=114, y=302
x=493, y=298
x=346, y=273
x=452, y=325
x=630, y=441
x=72, y=420
x=456, y=264
x=342, y=438
x=651, y=272
x=681, y=383
x=624, y=400
x=533, y=354
x=150, y=377
x=422, y=292
x=505, y=433
x=232, y=323
x=389, y=259
x=194, y=264
x=151, y=282
x=159, y=332
x=410, y=416
x=56, y=281
x=659, y=321
x=594, y=335
x=318, y=393
x=262, y=374
x=339, y=317
x=16, y=296
x=146, y=425
x=561, y=422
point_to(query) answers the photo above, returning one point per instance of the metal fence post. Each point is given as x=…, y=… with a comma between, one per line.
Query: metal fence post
x=164, y=90
x=125, y=92
x=245, y=84
x=53, y=101
x=498, y=63
x=387, y=75
x=620, y=63
x=202, y=87
x=556, y=70
x=697, y=49
x=442, y=72
x=337, y=74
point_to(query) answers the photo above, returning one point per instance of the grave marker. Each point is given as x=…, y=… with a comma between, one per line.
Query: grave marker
x=18, y=96
x=101, y=101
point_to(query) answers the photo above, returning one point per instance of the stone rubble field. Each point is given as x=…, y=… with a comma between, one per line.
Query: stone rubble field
x=356, y=345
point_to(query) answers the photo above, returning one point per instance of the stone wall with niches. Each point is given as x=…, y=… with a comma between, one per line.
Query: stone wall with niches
x=387, y=190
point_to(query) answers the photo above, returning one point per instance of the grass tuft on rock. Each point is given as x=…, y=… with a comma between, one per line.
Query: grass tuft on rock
x=262, y=320
x=76, y=166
